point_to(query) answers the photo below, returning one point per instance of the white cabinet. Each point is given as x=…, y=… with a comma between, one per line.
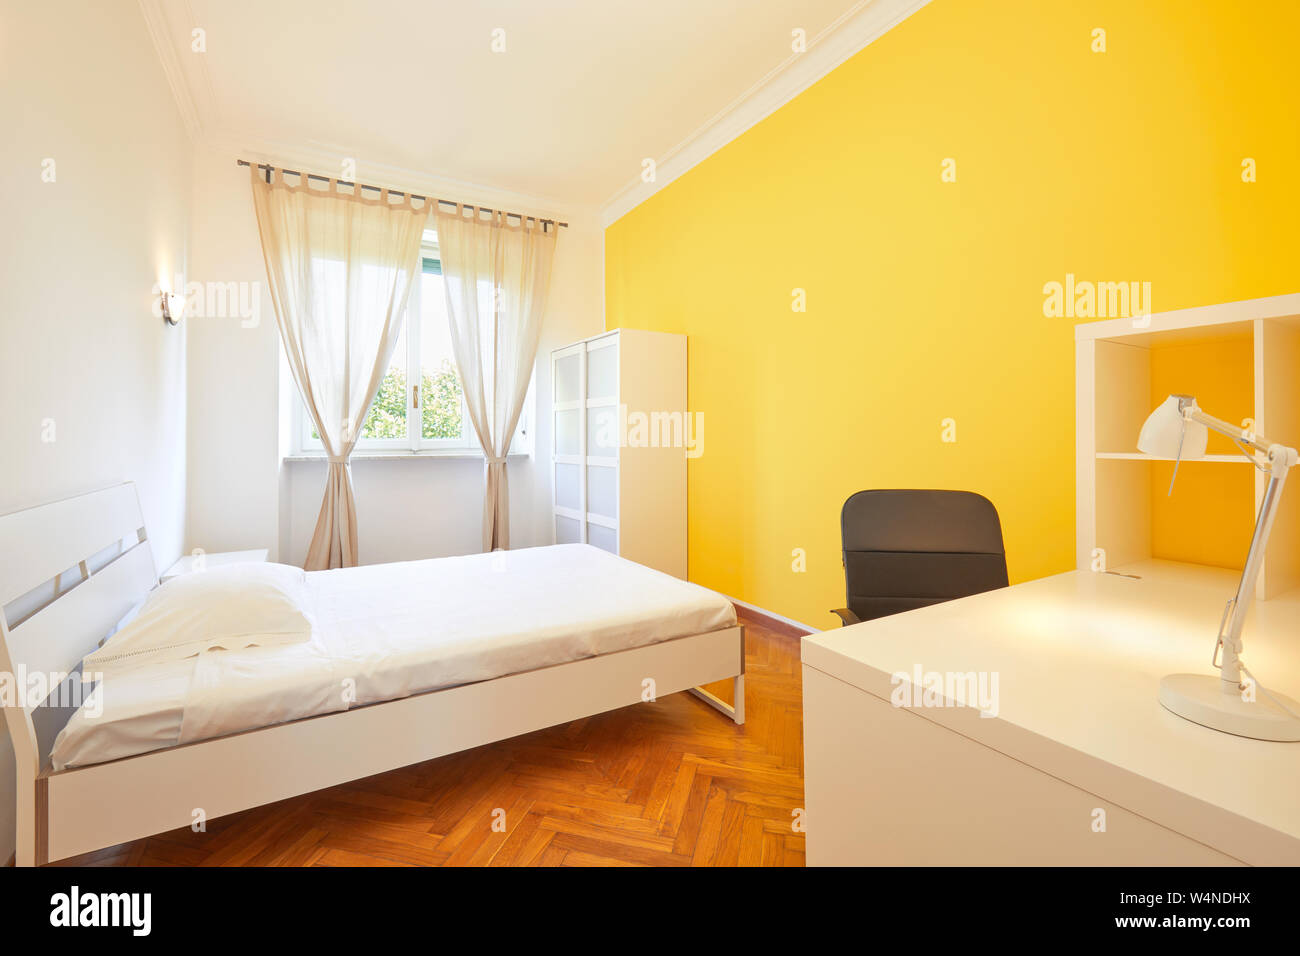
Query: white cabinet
x=621, y=437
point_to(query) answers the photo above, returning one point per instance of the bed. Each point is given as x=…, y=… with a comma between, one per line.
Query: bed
x=443, y=655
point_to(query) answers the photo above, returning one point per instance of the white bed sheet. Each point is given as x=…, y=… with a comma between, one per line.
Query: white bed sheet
x=387, y=631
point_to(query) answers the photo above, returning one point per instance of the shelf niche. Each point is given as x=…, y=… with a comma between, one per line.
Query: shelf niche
x=1245, y=367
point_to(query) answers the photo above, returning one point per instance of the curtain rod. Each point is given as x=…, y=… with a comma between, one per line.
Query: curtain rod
x=393, y=192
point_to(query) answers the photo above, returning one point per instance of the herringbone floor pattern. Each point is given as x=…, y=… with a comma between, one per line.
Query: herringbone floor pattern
x=673, y=783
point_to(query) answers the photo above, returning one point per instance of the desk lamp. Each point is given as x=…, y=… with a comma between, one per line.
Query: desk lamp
x=1178, y=429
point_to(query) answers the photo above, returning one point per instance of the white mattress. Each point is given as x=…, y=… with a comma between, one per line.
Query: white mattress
x=386, y=631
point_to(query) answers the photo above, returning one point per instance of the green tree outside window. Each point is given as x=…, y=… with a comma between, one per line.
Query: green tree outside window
x=440, y=405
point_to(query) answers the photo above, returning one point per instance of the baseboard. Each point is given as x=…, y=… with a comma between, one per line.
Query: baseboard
x=772, y=621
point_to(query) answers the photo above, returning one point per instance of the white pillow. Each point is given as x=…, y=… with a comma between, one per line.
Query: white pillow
x=238, y=605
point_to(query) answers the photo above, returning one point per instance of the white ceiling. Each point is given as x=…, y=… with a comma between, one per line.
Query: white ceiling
x=585, y=90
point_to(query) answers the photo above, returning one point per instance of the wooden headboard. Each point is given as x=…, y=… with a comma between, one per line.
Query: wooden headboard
x=76, y=566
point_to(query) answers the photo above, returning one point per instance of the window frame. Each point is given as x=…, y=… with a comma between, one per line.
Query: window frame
x=304, y=445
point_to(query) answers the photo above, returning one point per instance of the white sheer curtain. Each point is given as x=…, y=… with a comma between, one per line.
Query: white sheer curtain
x=339, y=267
x=496, y=276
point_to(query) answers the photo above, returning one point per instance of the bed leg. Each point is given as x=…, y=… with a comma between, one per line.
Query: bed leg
x=735, y=711
x=30, y=825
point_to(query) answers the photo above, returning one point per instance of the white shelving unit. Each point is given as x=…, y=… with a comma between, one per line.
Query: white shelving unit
x=615, y=486
x=1242, y=355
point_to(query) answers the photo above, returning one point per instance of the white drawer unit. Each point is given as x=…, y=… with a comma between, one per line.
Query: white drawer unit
x=621, y=436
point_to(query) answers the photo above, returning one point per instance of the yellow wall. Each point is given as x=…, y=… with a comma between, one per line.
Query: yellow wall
x=924, y=298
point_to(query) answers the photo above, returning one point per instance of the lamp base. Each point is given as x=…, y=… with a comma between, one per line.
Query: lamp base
x=1200, y=699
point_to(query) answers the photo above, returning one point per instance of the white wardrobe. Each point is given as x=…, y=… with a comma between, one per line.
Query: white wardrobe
x=620, y=440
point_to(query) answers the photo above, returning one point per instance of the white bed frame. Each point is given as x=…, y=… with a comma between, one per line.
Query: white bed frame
x=66, y=813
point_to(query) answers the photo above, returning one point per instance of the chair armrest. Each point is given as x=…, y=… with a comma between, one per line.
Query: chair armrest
x=847, y=616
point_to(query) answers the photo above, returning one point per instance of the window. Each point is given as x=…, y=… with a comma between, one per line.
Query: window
x=420, y=405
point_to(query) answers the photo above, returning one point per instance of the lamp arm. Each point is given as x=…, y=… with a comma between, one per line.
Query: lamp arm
x=1230, y=636
x=1259, y=443
x=1280, y=460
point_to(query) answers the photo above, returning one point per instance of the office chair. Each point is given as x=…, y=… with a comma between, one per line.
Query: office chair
x=909, y=548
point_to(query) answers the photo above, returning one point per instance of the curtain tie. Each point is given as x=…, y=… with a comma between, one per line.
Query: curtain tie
x=337, y=459
x=494, y=461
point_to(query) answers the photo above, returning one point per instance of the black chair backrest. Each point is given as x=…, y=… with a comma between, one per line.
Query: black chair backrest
x=908, y=548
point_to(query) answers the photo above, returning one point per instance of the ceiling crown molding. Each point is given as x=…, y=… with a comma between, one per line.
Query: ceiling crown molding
x=155, y=18
x=865, y=22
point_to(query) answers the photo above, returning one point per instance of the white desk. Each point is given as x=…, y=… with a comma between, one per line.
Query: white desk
x=1078, y=659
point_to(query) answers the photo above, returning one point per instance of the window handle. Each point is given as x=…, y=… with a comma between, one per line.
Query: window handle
x=415, y=396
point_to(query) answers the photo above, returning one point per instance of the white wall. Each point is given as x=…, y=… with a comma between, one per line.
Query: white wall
x=233, y=371
x=243, y=495
x=82, y=352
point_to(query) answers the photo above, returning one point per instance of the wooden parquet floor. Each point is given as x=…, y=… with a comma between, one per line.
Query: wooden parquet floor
x=673, y=783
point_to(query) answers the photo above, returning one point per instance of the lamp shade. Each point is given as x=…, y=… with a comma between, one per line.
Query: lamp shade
x=1166, y=434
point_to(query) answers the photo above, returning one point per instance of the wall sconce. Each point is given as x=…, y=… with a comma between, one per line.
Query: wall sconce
x=172, y=306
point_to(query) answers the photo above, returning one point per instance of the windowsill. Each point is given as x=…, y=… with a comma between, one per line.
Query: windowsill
x=397, y=454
